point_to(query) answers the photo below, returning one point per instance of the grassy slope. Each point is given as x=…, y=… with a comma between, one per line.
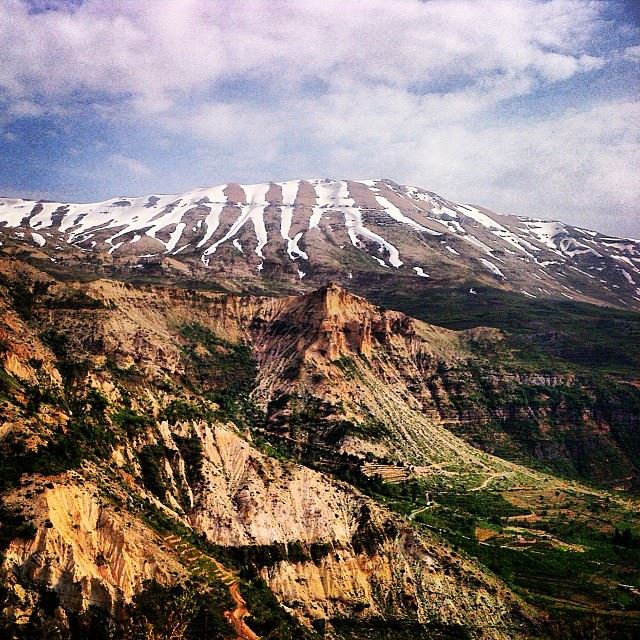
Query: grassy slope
x=566, y=332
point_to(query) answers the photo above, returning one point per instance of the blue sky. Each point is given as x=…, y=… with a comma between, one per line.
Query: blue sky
x=523, y=106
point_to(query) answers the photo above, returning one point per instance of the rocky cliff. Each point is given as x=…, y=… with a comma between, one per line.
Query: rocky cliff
x=157, y=434
x=126, y=420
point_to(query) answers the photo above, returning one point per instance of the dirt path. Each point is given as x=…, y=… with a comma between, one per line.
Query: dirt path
x=237, y=616
x=491, y=478
x=413, y=514
x=192, y=556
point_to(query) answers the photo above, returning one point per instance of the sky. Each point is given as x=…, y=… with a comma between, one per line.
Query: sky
x=523, y=106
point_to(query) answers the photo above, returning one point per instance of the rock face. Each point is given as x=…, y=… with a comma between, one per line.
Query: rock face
x=158, y=405
x=131, y=429
x=85, y=549
x=296, y=235
x=360, y=561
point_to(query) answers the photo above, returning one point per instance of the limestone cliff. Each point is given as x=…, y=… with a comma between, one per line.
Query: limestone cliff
x=170, y=423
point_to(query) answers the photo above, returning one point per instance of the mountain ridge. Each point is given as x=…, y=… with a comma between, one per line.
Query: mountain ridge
x=299, y=234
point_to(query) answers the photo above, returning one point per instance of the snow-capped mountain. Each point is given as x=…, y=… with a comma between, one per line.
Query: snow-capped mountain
x=304, y=231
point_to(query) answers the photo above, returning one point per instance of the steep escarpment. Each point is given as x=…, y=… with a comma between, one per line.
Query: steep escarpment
x=365, y=366
x=312, y=453
x=137, y=448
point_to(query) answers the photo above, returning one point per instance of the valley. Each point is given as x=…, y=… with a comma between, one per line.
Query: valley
x=360, y=472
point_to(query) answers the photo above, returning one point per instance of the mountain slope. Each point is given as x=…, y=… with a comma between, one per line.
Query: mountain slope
x=296, y=235
x=305, y=440
x=124, y=440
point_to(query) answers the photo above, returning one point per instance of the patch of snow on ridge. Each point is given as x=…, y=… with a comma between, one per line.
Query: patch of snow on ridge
x=498, y=229
x=625, y=260
x=478, y=243
x=293, y=249
x=397, y=215
x=492, y=267
x=44, y=218
x=217, y=202
x=420, y=271
x=175, y=236
x=38, y=239
x=14, y=210
x=289, y=194
x=331, y=193
x=478, y=216
x=256, y=195
x=336, y=196
x=571, y=247
x=546, y=232
x=418, y=194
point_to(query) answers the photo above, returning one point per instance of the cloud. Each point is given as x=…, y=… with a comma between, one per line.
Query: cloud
x=579, y=166
x=632, y=53
x=413, y=90
x=133, y=166
x=157, y=53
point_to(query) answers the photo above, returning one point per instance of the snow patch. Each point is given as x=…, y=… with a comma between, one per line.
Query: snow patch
x=492, y=267
x=38, y=239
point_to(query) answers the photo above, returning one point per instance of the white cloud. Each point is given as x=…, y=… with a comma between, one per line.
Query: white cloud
x=408, y=89
x=158, y=52
x=133, y=166
x=632, y=53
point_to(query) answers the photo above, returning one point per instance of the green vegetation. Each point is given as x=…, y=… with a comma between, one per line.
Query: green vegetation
x=13, y=525
x=152, y=458
x=268, y=619
x=309, y=420
x=254, y=557
x=82, y=439
x=74, y=299
x=72, y=369
x=571, y=562
x=550, y=424
x=384, y=629
x=225, y=373
x=347, y=365
x=24, y=296
x=185, y=410
x=193, y=610
x=86, y=435
x=132, y=422
x=542, y=332
x=190, y=448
